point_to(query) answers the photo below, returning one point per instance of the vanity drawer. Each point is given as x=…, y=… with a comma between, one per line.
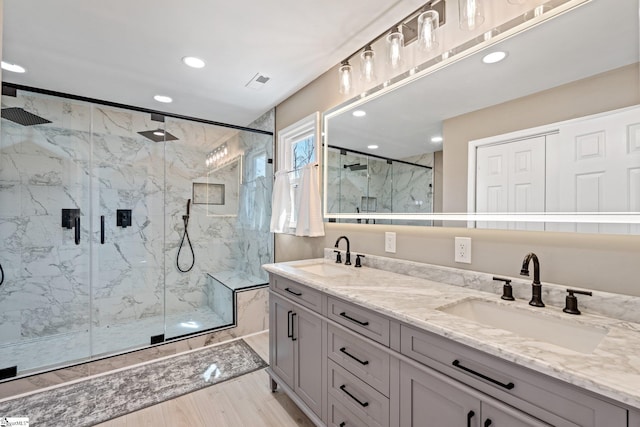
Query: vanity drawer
x=361, y=320
x=297, y=292
x=339, y=416
x=368, y=363
x=551, y=400
x=357, y=396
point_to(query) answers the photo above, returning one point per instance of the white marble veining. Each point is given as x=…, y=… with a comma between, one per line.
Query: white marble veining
x=611, y=370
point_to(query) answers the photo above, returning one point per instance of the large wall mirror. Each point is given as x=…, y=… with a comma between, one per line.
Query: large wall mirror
x=579, y=63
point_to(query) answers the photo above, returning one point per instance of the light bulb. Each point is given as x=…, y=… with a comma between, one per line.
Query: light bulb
x=395, y=45
x=428, y=24
x=471, y=14
x=346, y=82
x=367, y=65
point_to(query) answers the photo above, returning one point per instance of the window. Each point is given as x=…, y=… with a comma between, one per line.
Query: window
x=297, y=147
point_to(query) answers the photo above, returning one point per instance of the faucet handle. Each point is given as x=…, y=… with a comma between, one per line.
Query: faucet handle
x=358, y=263
x=571, y=302
x=338, y=257
x=507, y=289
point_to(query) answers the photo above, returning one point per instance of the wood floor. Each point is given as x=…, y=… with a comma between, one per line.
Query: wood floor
x=243, y=401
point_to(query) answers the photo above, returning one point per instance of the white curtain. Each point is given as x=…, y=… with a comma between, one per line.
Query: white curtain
x=281, y=203
x=308, y=203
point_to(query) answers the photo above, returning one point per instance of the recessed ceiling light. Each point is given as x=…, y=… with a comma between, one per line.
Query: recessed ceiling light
x=159, y=132
x=372, y=147
x=163, y=98
x=14, y=68
x=494, y=57
x=436, y=139
x=193, y=62
x=359, y=113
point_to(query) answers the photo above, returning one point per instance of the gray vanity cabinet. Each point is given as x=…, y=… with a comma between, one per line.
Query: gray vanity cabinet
x=296, y=350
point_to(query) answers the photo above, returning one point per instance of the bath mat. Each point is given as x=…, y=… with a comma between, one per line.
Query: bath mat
x=109, y=396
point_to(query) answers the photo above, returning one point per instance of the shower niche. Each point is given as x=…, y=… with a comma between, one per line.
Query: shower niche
x=111, y=284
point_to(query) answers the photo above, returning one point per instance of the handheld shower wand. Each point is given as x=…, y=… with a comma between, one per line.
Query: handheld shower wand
x=185, y=219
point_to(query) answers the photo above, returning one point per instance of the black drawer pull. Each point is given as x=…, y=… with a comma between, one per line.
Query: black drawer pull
x=363, y=404
x=488, y=422
x=346, y=316
x=457, y=364
x=298, y=294
x=362, y=362
x=470, y=415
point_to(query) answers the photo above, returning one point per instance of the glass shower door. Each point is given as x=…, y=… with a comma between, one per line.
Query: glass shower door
x=44, y=231
x=128, y=221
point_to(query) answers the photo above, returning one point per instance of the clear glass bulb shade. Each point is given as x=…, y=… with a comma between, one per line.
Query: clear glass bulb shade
x=395, y=46
x=367, y=65
x=346, y=79
x=428, y=24
x=471, y=14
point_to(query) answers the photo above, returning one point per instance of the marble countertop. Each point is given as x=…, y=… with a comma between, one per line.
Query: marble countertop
x=611, y=370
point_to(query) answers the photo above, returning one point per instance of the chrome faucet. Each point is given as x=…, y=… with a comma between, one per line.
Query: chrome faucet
x=536, y=286
x=348, y=256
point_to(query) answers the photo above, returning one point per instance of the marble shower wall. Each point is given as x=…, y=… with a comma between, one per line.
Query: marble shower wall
x=381, y=187
x=91, y=157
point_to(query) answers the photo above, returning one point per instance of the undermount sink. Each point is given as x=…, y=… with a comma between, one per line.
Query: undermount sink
x=529, y=324
x=322, y=269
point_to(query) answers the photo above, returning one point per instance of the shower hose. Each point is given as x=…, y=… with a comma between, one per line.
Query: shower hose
x=1, y=275
x=185, y=219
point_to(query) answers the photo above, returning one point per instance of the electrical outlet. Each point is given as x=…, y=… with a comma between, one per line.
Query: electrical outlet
x=463, y=250
x=390, y=242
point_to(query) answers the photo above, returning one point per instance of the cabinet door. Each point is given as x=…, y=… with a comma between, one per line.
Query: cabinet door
x=307, y=335
x=494, y=416
x=433, y=402
x=282, y=346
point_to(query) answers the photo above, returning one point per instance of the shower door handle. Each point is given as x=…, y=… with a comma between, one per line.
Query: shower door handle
x=102, y=229
x=77, y=231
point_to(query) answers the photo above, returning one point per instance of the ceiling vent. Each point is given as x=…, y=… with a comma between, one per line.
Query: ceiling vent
x=257, y=82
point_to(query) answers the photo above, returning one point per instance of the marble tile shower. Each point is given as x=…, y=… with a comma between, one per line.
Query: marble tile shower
x=65, y=302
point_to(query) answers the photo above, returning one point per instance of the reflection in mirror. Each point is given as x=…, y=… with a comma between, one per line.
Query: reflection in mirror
x=366, y=184
x=572, y=65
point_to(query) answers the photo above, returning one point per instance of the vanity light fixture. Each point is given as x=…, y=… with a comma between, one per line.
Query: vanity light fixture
x=493, y=57
x=395, y=47
x=367, y=64
x=359, y=113
x=471, y=14
x=372, y=147
x=217, y=156
x=163, y=98
x=346, y=79
x=193, y=62
x=14, y=68
x=428, y=25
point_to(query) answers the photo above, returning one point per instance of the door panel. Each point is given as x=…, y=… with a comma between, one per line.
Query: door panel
x=282, y=347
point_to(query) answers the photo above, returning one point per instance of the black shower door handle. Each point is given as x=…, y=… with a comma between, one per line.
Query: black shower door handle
x=77, y=231
x=102, y=229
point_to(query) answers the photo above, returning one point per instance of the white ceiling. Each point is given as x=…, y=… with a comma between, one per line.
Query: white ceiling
x=592, y=39
x=127, y=51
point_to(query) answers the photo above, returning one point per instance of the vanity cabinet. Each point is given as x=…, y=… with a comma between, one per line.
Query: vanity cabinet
x=428, y=399
x=347, y=365
x=296, y=350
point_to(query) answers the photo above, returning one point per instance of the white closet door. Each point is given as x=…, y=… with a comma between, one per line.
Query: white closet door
x=511, y=178
x=595, y=165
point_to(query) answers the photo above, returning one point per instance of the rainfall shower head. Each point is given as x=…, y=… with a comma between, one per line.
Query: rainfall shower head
x=355, y=167
x=158, y=135
x=22, y=117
